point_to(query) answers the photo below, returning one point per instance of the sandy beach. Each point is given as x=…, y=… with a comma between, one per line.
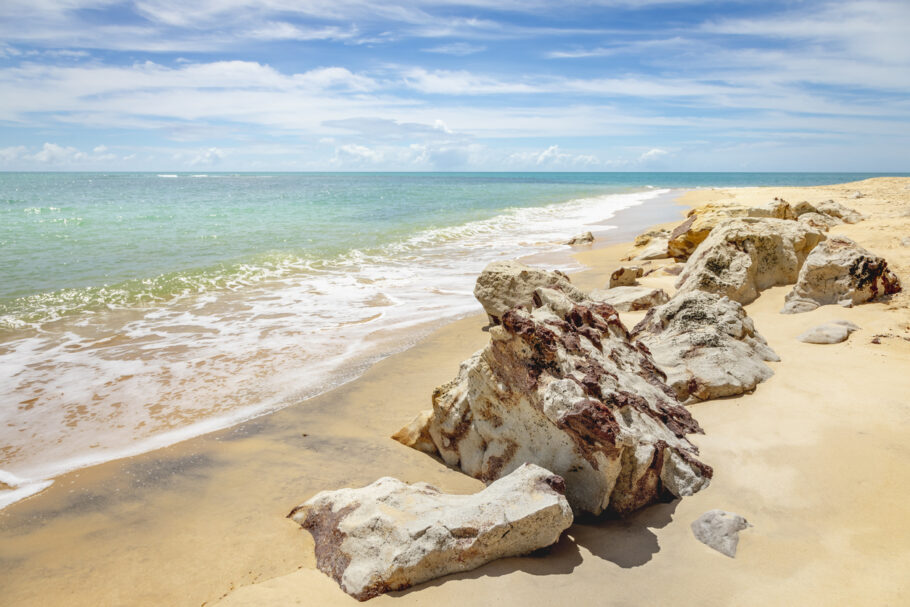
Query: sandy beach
x=816, y=459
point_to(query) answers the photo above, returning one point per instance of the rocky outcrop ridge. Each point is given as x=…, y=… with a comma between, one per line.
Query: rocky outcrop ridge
x=742, y=257
x=650, y=245
x=391, y=535
x=504, y=285
x=839, y=271
x=561, y=385
x=707, y=346
x=626, y=276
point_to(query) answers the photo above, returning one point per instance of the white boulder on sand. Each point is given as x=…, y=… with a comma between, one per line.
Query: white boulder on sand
x=506, y=284
x=833, y=332
x=562, y=386
x=707, y=346
x=839, y=271
x=630, y=299
x=742, y=257
x=720, y=530
x=586, y=238
x=391, y=535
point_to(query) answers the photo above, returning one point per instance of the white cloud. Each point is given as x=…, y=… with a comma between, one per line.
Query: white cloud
x=552, y=157
x=652, y=154
x=458, y=49
x=51, y=153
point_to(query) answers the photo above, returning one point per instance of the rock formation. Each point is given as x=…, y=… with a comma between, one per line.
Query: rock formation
x=836, y=209
x=686, y=237
x=391, y=535
x=586, y=238
x=562, y=386
x=706, y=345
x=626, y=276
x=819, y=221
x=650, y=245
x=630, y=299
x=720, y=530
x=742, y=257
x=506, y=284
x=833, y=332
x=839, y=271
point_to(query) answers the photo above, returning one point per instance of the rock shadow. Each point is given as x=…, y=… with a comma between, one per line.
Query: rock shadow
x=627, y=542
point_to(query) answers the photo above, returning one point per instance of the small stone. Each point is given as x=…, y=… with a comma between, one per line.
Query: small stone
x=833, y=332
x=719, y=529
x=626, y=276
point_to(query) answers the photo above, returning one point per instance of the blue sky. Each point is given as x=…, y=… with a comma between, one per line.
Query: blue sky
x=603, y=85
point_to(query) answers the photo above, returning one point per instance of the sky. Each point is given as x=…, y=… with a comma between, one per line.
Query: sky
x=434, y=85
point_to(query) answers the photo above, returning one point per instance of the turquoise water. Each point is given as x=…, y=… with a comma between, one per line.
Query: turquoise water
x=72, y=242
x=139, y=309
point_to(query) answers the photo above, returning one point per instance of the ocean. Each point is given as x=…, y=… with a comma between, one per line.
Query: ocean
x=140, y=309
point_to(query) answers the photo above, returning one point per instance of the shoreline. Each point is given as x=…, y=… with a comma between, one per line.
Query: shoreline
x=245, y=478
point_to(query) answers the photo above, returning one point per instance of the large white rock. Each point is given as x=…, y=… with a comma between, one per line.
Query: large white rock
x=833, y=332
x=707, y=346
x=578, y=239
x=630, y=299
x=720, y=530
x=819, y=221
x=563, y=387
x=839, y=271
x=742, y=257
x=650, y=245
x=391, y=535
x=836, y=209
x=686, y=237
x=506, y=284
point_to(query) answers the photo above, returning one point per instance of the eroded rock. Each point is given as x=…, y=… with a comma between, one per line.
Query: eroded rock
x=836, y=209
x=742, y=257
x=839, y=271
x=719, y=529
x=626, y=276
x=650, y=245
x=707, y=346
x=819, y=221
x=630, y=299
x=833, y=332
x=506, y=284
x=562, y=386
x=391, y=535
x=586, y=238
x=416, y=434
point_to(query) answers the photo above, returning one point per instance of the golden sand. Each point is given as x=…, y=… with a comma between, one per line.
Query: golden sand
x=816, y=458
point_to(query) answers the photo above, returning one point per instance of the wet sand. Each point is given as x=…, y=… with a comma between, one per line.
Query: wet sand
x=816, y=459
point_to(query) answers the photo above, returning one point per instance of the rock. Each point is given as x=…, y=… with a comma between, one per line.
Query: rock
x=630, y=299
x=674, y=269
x=855, y=195
x=626, y=276
x=742, y=257
x=832, y=332
x=391, y=535
x=643, y=239
x=801, y=208
x=819, y=221
x=586, y=238
x=417, y=433
x=692, y=232
x=839, y=271
x=562, y=386
x=836, y=209
x=706, y=345
x=905, y=242
x=720, y=530
x=505, y=284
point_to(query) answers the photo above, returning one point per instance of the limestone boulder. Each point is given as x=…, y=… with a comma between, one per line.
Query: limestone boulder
x=742, y=257
x=562, y=386
x=650, y=245
x=707, y=346
x=833, y=332
x=819, y=221
x=416, y=434
x=686, y=237
x=631, y=299
x=626, y=276
x=839, y=271
x=391, y=535
x=836, y=209
x=586, y=238
x=719, y=530
x=506, y=284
